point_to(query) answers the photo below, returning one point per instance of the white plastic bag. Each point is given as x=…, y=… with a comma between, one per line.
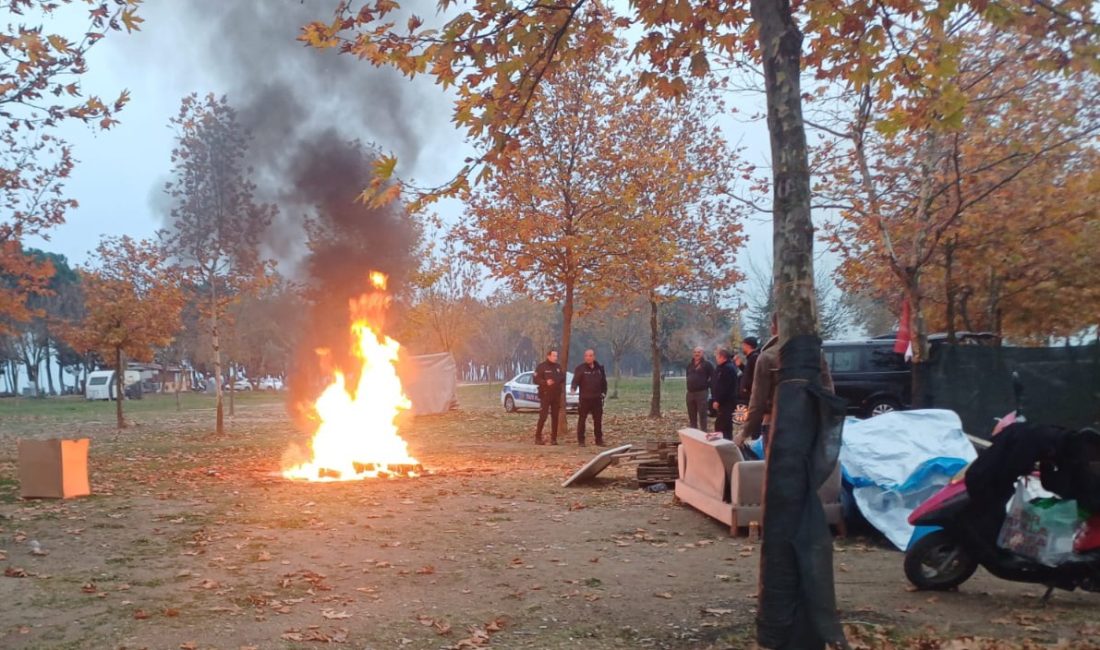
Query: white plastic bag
x=1039, y=529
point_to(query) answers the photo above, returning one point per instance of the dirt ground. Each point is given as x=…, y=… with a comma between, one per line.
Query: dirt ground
x=194, y=542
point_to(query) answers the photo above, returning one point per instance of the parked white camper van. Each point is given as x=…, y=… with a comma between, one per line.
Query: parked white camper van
x=101, y=383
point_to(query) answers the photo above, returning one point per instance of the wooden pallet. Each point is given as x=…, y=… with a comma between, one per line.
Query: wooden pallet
x=655, y=451
x=656, y=463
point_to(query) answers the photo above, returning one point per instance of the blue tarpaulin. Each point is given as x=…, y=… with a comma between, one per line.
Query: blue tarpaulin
x=898, y=460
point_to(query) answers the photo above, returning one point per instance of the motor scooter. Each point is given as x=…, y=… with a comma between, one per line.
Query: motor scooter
x=965, y=525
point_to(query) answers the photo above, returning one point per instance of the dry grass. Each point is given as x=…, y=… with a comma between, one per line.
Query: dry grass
x=192, y=541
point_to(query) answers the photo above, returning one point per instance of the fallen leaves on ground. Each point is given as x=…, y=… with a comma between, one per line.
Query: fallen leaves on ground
x=479, y=636
x=442, y=628
x=316, y=634
x=867, y=636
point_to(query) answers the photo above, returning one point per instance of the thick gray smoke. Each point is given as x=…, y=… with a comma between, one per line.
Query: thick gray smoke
x=302, y=106
x=314, y=117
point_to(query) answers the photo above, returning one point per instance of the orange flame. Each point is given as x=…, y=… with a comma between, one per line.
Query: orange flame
x=357, y=437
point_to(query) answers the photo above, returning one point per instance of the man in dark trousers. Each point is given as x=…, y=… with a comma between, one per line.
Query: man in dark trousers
x=723, y=392
x=591, y=380
x=750, y=347
x=699, y=372
x=550, y=379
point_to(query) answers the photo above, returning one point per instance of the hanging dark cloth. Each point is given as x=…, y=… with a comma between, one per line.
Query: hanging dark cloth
x=797, y=602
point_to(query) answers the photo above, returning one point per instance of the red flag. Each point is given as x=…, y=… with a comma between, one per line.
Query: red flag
x=901, y=344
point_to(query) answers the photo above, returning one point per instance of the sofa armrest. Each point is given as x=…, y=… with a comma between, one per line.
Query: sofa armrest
x=705, y=464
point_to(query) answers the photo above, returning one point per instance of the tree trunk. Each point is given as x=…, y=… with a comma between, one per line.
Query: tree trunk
x=918, y=338
x=32, y=363
x=218, y=407
x=994, y=310
x=797, y=599
x=563, y=354
x=49, y=367
x=964, y=310
x=617, y=370
x=655, y=352
x=120, y=387
x=232, y=388
x=949, y=288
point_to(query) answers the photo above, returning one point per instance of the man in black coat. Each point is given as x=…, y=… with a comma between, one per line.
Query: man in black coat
x=723, y=393
x=750, y=347
x=698, y=373
x=591, y=380
x=550, y=379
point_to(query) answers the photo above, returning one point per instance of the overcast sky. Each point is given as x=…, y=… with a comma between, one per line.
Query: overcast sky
x=240, y=48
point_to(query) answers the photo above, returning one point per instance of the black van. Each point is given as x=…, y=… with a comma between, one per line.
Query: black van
x=869, y=374
x=875, y=379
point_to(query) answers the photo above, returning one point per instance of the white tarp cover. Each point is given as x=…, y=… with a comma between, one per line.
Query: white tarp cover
x=429, y=381
x=897, y=460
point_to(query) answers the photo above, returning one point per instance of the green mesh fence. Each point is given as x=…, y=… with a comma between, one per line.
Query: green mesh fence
x=1061, y=385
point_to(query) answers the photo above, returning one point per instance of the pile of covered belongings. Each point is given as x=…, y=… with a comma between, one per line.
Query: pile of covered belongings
x=896, y=461
x=1047, y=516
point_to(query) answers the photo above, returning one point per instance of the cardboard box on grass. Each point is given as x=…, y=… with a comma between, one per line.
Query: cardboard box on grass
x=53, y=469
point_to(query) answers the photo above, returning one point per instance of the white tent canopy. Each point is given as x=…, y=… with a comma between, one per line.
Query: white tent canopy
x=430, y=381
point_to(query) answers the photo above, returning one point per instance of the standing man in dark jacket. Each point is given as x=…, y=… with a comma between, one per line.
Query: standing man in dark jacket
x=699, y=373
x=750, y=348
x=550, y=379
x=764, y=384
x=723, y=392
x=591, y=380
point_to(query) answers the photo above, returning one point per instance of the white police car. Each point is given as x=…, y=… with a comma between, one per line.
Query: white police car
x=523, y=393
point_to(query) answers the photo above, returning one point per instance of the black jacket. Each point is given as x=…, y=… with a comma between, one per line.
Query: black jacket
x=745, y=392
x=591, y=380
x=723, y=386
x=698, y=377
x=547, y=370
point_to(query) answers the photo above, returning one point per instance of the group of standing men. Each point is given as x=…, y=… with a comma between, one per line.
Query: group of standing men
x=749, y=381
x=720, y=389
x=746, y=380
x=589, y=380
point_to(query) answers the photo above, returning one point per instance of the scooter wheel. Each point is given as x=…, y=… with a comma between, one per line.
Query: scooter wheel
x=937, y=562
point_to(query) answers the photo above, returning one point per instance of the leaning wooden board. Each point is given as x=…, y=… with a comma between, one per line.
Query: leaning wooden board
x=593, y=467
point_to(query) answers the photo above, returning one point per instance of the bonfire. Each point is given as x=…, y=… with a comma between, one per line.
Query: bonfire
x=357, y=434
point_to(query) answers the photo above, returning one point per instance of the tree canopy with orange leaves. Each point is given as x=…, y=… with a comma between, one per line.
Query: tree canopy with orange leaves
x=684, y=231
x=619, y=193
x=40, y=73
x=980, y=222
x=496, y=55
x=133, y=300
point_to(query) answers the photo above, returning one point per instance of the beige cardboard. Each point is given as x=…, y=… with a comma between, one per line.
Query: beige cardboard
x=53, y=469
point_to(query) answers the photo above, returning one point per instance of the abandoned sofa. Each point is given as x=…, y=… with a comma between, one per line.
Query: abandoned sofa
x=716, y=480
